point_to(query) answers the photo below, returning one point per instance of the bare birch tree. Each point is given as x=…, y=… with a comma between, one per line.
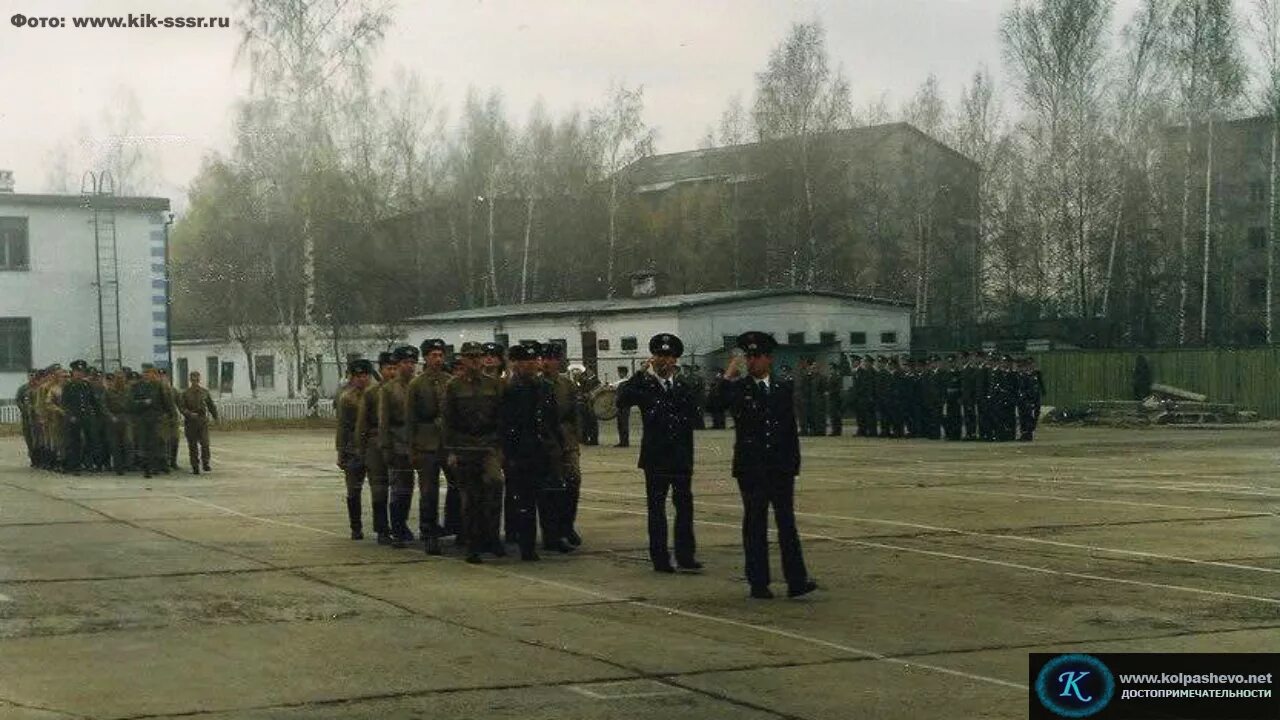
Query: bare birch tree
x=1265, y=26
x=622, y=137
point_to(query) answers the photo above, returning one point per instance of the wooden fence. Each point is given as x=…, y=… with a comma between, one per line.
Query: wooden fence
x=1247, y=377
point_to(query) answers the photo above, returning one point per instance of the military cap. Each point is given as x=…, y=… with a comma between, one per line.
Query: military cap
x=360, y=365
x=131, y=375
x=666, y=344
x=491, y=349
x=471, y=348
x=523, y=352
x=433, y=344
x=148, y=366
x=405, y=352
x=94, y=371
x=386, y=357
x=755, y=342
x=79, y=365
x=553, y=351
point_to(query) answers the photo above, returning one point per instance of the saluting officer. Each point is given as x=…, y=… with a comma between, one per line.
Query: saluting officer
x=766, y=460
x=669, y=408
x=470, y=427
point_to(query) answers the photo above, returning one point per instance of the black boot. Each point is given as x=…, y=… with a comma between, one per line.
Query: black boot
x=353, y=516
x=380, y=524
x=400, y=535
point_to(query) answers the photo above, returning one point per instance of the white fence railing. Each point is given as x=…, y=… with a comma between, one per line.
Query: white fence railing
x=236, y=410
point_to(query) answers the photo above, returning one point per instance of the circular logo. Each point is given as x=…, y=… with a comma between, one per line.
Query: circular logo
x=1075, y=686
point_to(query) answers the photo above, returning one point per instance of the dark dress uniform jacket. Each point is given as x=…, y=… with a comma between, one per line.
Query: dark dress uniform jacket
x=764, y=425
x=529, y=425
x=669, y=417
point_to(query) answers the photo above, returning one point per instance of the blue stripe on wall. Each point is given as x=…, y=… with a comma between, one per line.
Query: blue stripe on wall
x=157, y=284
x=158, y=316
x=157, y=300
x=157, y=237
x=159, y=332
x=157, y=252
x=157, y=268
x=161, y=350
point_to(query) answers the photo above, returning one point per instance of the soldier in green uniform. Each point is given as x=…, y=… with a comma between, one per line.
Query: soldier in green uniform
x=100, y=427
x=151, y=408
x=170, y=430
x=569, y=467
x=426, y=393
x=347, y=444
x=116, y=400
x=470, y=429
x=23, y=400
x=884, y=396
x=197, y=406
x=588, y=423
x=394, y=439
x=368, y=448
x=50, y=409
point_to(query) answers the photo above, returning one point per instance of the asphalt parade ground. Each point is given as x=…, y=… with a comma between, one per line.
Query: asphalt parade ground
x=239, y=595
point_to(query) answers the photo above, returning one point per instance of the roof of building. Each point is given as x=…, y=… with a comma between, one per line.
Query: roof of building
x=738, y=163
x=628, y=305
x=105, y=202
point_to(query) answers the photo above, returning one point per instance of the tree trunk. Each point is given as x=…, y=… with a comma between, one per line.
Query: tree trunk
x=524, y=264
x=811, y=270
x=493, y=265
x=1184, y=240
x=735, y=236
x=920, y=263
x=1271, y=220
x=613, y=233
x=1115, y=240
x=1208, y=225
x=247, y=347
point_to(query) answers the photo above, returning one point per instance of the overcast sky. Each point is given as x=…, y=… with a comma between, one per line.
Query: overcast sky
x=691, y=56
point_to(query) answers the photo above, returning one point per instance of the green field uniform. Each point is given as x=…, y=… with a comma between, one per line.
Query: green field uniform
x=197, y=406
x=152, y=409
x=374, y=466
x=426, y=395
x=470, y=431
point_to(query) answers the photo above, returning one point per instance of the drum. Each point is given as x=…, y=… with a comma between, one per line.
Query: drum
x=603, y=402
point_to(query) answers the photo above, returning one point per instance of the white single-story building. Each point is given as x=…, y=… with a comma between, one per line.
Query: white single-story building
x=609, y=336
x=81, y=277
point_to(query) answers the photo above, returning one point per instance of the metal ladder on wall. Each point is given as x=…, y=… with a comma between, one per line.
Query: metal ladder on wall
x=107, y=277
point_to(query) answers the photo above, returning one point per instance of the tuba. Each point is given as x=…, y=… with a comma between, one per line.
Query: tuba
x=603, y=402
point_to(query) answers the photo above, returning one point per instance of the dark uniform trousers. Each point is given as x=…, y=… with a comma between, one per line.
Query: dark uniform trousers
x=452, y=501
x=970, y=411
x=197, y=431
x=760, y=490
x=354, y=471
x=571, y=493
x=534, y=503
x=375, y=467
x=953, y=418
x=78, y=440
x=428, y=466
x=656, y=487
x=481, y=482
x=151, y=448
x=119, y=431
x=400, y=478
x=624, y=426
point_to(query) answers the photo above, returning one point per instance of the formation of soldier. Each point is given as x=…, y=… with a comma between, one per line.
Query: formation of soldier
x=969, y=396
x=79, y=419
x=503, y=429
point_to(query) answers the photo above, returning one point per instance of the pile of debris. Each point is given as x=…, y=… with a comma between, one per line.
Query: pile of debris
x=1166, y=405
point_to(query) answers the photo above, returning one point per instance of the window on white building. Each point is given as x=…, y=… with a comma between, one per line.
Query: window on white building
x=14, y=249
x=629, y=344
x=795, y=338
x=264, y=371
x=211, y=379
x=602, y=344
x=888, y=338
x=857, y=338
x=827, y=338
x=182, y=373
x=15, y=344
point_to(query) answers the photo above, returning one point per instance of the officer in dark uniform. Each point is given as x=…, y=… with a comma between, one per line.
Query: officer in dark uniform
x=986, y=409
x=884, y=397
x=569, y=469
x=347, y=410
x=82, y=411
x=668, y=410
x=717, y=416
x=969, y=395
x=375, y=466
x=1030, y=390
x=952, y=393
x=835, y=398
x=150, y=404
x=766, y=460
x=469, y=422
x=395, y=440
x=864, y=397
x=529, y=437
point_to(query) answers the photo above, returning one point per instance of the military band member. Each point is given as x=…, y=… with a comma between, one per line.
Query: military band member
x=766, y=460
x=394, y=427
x=197, y=407
x=426, y=394
x=347, y=444
x=668, y=408
x=568, y=400
x=370, y=450
x=864, y=396
x=588, y=423
x=470, y=429
x=717, y=416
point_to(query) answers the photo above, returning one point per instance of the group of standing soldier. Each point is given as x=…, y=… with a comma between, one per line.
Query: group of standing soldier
x=506, y=443
x=84, y=420
x=955, y=397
